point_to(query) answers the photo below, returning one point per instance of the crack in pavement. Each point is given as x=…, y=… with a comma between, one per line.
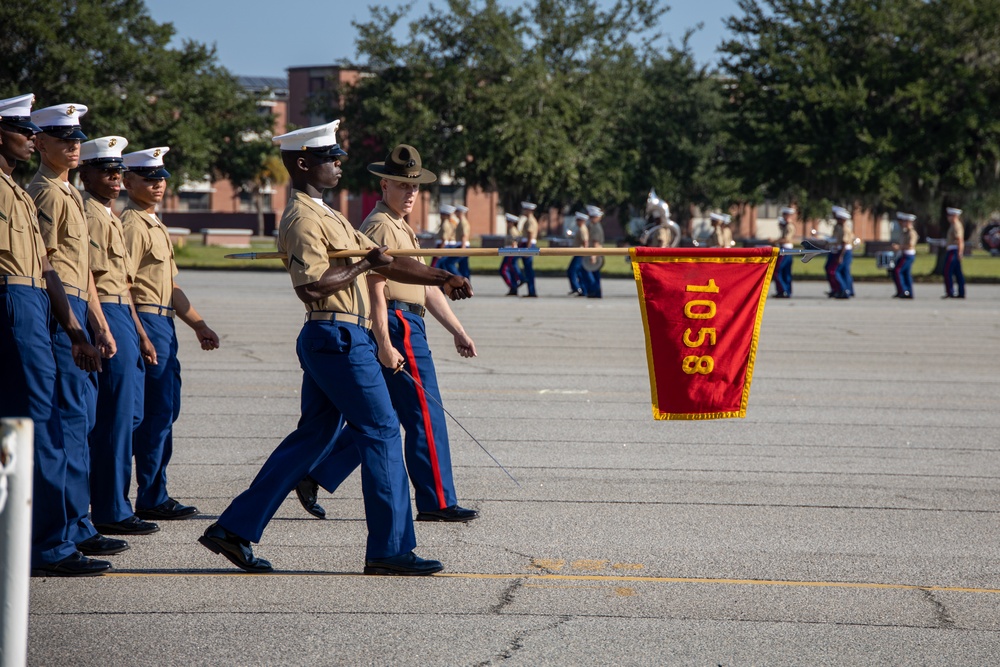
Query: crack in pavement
x=517, y=642
x=941, y=616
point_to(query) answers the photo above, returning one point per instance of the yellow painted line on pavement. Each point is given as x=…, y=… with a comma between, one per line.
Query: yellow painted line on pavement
x=610, y=579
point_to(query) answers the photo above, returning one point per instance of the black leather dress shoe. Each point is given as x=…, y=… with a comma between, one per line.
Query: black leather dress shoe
x=98, y=545
x=453, y=513
x=405, y=565
x=306, y=491
x=170, y=510
x=220, y=541
x=130, y=526
x=76, y=565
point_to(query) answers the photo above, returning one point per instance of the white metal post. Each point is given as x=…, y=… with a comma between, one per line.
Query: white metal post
x=16, y=469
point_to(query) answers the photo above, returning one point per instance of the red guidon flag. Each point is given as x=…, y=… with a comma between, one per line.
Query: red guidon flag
x=701, y=310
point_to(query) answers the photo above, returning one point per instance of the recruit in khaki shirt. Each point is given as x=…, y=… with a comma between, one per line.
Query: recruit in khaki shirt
x=385, y=228
x=307, y=233
x=21, y=245
x=63, y=227
x=956, y=233
x=529, y=229
x=148, y=245
x=109, y=258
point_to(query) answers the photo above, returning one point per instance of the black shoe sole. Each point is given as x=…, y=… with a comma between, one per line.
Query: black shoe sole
x=215, y=548
x=440, y=519
x=105, y=529
x=151, y=516
x=88, y=573
x=390, y=572
x=99, y=552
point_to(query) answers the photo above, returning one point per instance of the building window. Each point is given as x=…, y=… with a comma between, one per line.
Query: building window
x=246, y=204
x=194, y=201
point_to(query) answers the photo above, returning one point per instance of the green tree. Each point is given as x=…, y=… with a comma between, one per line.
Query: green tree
x=528, y=101
x=888, y=103
x=113, y=57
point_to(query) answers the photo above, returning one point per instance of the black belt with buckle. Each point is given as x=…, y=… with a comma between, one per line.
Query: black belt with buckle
x=414, y=308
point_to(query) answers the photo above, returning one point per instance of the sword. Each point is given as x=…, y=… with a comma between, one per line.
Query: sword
x=438, y=403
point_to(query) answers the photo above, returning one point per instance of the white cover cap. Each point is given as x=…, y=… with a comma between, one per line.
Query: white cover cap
x=318, y=139
x=580, y=215
x=103, y=150
x=148, y=163
x=17, y=111
x=841, y=213
x=905, y=217
x=528, y=206
x=61, y=120
x=511, y=218
x=594, y=211
x=953, y=211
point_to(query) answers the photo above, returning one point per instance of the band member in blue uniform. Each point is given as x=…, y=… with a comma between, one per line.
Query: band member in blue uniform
x=120, y=384
x=64, y=229
x=340, y=347
x=417, y=400
x=595, y=228
x=579, y=278
x=508, y=267
x=902, y=273
x=158, y=298
x=786, y=241
x=954, y=247
x=31, y=291
x=843, y=238
x=529, y=239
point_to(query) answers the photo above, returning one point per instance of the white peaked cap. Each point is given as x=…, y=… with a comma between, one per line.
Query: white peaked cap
x=17, y=107
x=953, y=211
x=461, y=209
x=446, y=209
x=61, y=120
x=148, y=163
x=103, y=149
x=724, y=218
x=906, y=217
x=528, y=206
x=841, y=213
x=594, y=211
x=580, y=215
x=788, y=210
x=511, y=217
x=311, y=139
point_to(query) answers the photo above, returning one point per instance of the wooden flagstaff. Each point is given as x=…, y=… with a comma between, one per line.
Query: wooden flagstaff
x=497, y=252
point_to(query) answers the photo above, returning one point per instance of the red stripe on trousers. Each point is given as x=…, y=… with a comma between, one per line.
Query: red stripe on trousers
x=411, y=359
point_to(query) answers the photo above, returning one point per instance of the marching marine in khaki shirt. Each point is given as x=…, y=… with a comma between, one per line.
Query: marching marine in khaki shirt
x=339, y=349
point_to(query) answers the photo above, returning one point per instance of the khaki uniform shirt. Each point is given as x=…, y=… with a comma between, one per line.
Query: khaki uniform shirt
x=109, y=259
x=908, y=240
x=582, y=237
x=386, y=228
x=308, y=232
x=836, y=236
x=148, y=245
x=63, y=227
x=956, y=234
x=462, y=231
x=787, y=237
x=596, y=231
x=21, y=244
x=659, y=237
x=529, y=229
x=846, y=235
x=513, y=235
x=448, y=229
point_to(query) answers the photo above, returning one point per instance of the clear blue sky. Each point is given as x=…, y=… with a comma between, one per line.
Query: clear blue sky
x=263, y=38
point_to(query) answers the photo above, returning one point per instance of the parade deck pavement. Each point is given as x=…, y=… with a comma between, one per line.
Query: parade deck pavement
x=850, y=519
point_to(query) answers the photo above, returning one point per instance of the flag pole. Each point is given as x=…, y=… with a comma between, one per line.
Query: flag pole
x=806, y=254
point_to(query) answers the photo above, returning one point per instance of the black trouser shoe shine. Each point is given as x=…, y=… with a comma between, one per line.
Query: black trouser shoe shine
x=219, y=540
x=98, y=545
x=76, y=565
x=171, y=510
x=453, y=513
x=306, y=491
x=405, y=565
x=130, y=526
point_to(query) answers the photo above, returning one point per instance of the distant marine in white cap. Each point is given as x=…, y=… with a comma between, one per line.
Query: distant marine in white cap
x=61, y=121
x=147, y=163
x=319, y=140
x=724, y=218
x=446, y=209
x=16, y=111
x=905, y=217
x=528, y=206
x=953, y=211
x=594, y=211
x=841, y=213
x=580, y=215
x=511, y=218
x=103, y=151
